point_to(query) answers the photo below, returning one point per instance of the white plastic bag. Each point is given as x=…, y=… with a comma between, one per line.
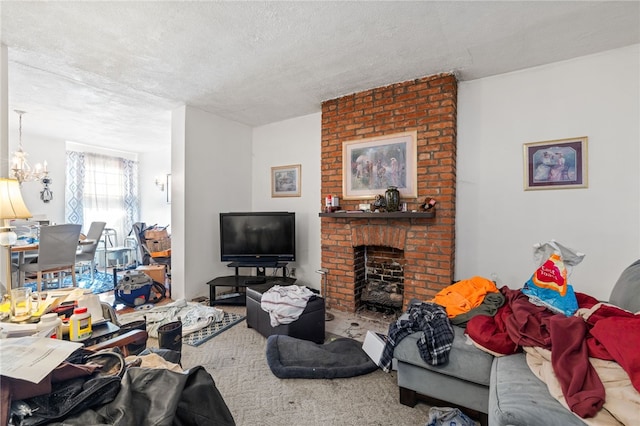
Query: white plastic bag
x=570, y=257
x=549, y=285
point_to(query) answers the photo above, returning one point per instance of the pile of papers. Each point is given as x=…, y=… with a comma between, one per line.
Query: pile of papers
x=53, y=300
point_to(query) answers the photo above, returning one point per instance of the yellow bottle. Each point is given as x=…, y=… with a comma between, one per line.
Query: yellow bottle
x=80, y=325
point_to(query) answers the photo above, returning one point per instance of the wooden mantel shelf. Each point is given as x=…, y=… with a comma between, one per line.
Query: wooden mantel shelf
x=384, y=215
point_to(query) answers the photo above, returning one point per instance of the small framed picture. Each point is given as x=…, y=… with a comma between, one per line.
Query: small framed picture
x=557, y=164
x=286, y=181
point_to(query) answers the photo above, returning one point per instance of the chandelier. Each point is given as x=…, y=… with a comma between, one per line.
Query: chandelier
x=20, y=167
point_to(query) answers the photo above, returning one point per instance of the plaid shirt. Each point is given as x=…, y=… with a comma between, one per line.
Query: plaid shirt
x=436, y=337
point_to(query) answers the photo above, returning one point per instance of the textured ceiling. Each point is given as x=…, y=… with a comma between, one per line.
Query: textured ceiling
x=109, y=73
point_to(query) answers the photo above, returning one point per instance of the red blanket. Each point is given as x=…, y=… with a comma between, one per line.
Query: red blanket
x=582, y=388
x=604, y=332
x=615, y=335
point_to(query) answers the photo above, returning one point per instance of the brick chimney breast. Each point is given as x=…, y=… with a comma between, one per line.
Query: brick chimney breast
x=427, y=106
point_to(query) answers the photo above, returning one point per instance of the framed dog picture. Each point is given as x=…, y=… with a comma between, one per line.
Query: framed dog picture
x=557, y=164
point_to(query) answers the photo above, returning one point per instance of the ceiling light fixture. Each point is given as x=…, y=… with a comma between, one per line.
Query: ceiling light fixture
x=20, y=167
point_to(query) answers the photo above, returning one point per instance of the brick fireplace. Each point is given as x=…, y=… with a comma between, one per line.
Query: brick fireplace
x=379, y=278
x=426, y=246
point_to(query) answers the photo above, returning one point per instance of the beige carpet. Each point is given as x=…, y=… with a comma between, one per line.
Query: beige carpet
x=236, y=360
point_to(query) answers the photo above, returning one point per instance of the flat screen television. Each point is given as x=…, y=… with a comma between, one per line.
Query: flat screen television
x=258, y=237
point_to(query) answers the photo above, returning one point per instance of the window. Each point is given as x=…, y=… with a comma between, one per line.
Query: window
x=102, y=188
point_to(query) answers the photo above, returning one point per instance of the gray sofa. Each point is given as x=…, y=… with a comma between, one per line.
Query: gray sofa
x=462, y=382
x=495, y=390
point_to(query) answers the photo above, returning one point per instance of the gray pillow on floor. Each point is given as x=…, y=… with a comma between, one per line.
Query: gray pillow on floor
x=290, y=358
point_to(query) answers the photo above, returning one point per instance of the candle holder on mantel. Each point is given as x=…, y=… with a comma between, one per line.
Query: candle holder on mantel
x=324, y=272
x=392, y=197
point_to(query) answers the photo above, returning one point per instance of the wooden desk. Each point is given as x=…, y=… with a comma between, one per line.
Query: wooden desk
x=35, y=246
x=23, y=249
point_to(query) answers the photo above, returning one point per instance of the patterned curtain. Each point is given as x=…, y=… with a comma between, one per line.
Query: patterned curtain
x=74, y=207
x=131, y=196
x=102, y=188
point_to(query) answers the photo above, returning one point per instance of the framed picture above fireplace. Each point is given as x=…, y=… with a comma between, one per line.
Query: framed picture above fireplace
x=370, y=166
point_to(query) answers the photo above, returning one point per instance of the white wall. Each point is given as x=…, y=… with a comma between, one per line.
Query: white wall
x=497, y=222
x=154, y=208
x=40, y=149
x=4, y=113
x=211, y=172
x=289, y=142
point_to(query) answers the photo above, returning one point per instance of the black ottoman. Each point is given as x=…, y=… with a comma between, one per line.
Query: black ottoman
x=309, y=326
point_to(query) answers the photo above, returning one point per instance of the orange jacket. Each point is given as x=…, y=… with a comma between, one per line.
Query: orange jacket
x=464, y=295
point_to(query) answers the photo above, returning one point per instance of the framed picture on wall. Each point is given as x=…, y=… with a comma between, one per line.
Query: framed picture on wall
x=556, y=164
x=286, y=181
x=370, y=166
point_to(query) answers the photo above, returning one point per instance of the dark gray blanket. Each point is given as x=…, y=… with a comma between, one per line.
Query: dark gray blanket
x=290, y=358
x=157, y=397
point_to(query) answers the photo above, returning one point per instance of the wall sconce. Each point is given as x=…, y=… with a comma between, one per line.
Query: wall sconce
x=160, y=185
x=46, y=195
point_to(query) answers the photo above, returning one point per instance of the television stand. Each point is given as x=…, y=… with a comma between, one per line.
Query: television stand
x=239, y=283
x=260, y=266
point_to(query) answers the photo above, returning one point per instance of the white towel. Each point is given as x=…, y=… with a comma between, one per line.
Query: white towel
x=194, y=316
x=285, y=304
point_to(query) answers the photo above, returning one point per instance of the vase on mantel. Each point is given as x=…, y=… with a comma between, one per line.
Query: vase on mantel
x=392, y=196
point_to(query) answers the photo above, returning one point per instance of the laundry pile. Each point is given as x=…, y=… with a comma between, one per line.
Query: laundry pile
x=285, y=303
x=194, y=316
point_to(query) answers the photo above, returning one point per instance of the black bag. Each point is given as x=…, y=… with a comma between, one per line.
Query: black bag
x=190, y=398
x=75, y=395
x=158, y=292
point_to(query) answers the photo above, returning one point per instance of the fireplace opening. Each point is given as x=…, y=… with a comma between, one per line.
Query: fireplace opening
x=379, y=279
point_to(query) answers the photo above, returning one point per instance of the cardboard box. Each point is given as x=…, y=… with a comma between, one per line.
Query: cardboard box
x=374, y=345
x=155, y=272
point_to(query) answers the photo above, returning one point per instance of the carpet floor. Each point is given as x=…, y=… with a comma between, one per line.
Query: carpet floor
x=101, y=282
x=236, y=360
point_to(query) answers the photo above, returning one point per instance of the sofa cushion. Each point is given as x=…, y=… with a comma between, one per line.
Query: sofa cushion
x=466, y=362
x=626, y=292
x=518, y=397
